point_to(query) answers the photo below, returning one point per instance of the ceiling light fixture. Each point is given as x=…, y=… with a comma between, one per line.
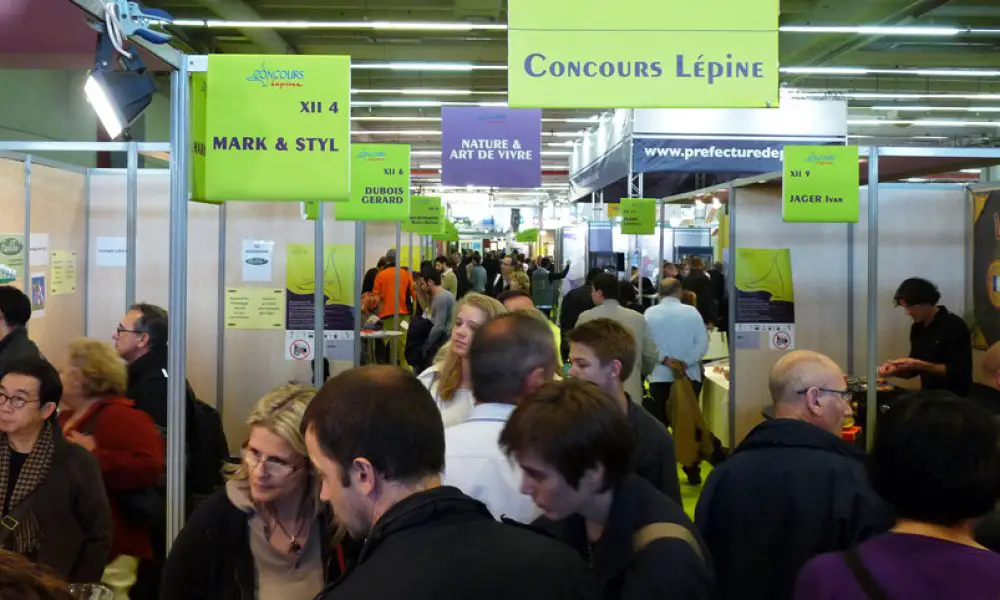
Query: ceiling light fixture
x=882, y=30
x=376, y=25
x=420, y=104
x=921, y=123
x=438, y=132
x=904, y=107
x=833, y=94
x=426, y=66
x=941, y=72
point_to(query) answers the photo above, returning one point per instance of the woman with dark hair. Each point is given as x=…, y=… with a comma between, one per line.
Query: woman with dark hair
x=935, y=461
x=628, y=298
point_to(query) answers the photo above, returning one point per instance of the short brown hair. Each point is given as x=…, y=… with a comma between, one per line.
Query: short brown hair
x=380, y=413
x=573, y=426
x=505, y=351
x=610, y=340
x=21, y=579
x=101, y=369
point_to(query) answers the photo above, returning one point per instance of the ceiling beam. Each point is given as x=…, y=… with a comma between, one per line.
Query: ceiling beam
x=268, y=40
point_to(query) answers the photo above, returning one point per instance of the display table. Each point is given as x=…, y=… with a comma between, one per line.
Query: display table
x=718, y=346
x=715, y=402
x=369, y=339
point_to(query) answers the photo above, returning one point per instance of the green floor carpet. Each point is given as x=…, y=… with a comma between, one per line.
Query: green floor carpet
x=690, y=493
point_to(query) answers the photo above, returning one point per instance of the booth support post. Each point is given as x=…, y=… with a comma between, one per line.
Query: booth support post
x=131, y=221
x=850, y=298
x=359, y=273
x=658, y=268
x=319, y=298
x=177, y=303
x=86, y=253
x=26, y=276
x=410, y=243
x=220, y=333
x=393, y=342
x=731, y=285
x=872, y=392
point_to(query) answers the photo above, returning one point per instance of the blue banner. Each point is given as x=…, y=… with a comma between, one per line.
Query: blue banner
x=609, y=168
x=652, y=155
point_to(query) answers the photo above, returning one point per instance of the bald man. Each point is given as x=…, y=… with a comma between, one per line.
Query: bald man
x=792, y=489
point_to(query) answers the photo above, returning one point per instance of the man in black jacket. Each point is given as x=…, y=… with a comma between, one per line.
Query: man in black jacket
x=602, y=352
x=422, y=540
x=700, y=283
x=575, y=448
x=574, y=304
x=15, y=311
x=792, y=489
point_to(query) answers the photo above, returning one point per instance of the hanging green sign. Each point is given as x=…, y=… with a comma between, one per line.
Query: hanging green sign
x=527, y=236
x=450, y=233
x=642, y=54
x=276, y=128
x=426, y=216
x=638, y=216
x=821, y=184
x=380, y=184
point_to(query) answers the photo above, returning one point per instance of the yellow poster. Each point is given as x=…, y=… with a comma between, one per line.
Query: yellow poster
x=338, y=287
x=255, y=308
x=63, y=276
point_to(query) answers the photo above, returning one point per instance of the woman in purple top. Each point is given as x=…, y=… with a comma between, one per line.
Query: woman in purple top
x=935, y=460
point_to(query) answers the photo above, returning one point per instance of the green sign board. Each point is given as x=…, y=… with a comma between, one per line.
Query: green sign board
x=426, y=216
x=450, y=233
x=642, y=54
x=820, y=184
x=380, y=184
x=638, y=216
x=275, y=128
x=527, y=236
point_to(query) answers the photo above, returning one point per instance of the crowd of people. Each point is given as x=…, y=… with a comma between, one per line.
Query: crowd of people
x=492, y=471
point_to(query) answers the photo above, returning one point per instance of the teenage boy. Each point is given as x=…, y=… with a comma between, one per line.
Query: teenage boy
x=603, y=352
x=575, y=448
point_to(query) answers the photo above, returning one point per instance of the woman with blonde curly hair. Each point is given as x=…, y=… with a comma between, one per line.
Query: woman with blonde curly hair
x=448, y=380
x=267, y=535
x=127, y=445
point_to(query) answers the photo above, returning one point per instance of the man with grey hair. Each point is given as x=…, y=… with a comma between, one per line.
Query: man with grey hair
x=510, y=357
x=792, y=489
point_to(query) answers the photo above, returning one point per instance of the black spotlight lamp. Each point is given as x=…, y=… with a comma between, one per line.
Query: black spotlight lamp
x=118, y=96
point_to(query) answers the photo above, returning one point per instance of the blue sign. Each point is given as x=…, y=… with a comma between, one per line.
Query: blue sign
x=652, y=155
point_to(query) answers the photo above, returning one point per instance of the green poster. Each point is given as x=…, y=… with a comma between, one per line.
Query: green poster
x=380, y=184
x=594, y=54
x=277, y=128
x=638, y=216
x=426, y=216
x=11, y=257
x=821, y=184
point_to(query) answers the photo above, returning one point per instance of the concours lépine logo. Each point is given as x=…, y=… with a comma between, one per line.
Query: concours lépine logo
x=277, y=77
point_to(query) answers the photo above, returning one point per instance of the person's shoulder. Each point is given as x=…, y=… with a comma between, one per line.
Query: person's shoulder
x=429, y=375
x=822, y=574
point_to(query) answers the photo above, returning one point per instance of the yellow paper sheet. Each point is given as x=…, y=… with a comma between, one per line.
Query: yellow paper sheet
x=63, y=276
x=255, y=308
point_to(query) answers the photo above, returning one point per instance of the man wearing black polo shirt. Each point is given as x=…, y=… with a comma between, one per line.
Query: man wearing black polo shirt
x=940, y=344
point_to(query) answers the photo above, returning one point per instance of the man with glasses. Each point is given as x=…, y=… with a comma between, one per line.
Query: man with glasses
x=792, y=489
x=15, y=311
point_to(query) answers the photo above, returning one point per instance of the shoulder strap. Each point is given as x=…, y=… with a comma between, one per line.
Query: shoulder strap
x=88, y=427
x=864, y=577
x=659, y=531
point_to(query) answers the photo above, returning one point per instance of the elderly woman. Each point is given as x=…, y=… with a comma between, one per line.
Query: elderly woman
x=267, y=535
x=98, y=417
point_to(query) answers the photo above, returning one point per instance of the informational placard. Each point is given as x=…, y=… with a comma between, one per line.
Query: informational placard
x=491, y=147
x=111, y=251
x=63, y=273
x=255, y=308
x=39, y=294
x=39, y=252
x=338, y=287
x=380, y=184
x=614, y=211
x=820, y=184
x=258, y=260
x=642, y=54
x=765, y=295
x=426, y=216
x=638, y=216
x=11, y=256
x=276, y=129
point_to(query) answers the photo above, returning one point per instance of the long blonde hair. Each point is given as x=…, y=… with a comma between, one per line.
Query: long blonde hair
x=280, y=412
x=450, y=366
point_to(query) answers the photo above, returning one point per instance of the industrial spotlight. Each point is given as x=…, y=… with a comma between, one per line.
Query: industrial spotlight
x=120, y=95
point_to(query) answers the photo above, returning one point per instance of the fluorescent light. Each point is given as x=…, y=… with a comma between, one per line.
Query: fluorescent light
x=399, y=119
x=873, y=30
x=376, y=25
x=888, y=95
x=437, y=153
x=904, y=107
x=417, y=132
x=971, y=171
x=944, y=72
x=426, y=66
x=922, y=123
x=544, y=167
x=419, y=104
x=106, y=112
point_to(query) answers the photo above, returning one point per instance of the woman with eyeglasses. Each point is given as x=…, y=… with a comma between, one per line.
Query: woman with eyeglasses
x=267, y=535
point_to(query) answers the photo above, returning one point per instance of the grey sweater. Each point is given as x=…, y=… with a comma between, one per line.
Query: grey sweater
x=442, y=315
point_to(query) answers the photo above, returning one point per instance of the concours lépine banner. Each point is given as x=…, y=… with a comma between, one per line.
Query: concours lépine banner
x=380, y=184
x=491, y=147
x=642, y=54
x=272, y=128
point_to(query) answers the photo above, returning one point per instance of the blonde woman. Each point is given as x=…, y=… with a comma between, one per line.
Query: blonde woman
x=448, y=380
x=519, y=282
x=266, y=536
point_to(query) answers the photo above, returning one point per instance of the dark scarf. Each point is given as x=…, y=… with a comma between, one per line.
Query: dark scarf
x=33, y=473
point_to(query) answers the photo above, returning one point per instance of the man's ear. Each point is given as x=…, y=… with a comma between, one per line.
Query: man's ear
x=616, y=368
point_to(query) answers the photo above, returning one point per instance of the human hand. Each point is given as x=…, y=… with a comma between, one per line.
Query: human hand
x=675, y=364
x=83, y=440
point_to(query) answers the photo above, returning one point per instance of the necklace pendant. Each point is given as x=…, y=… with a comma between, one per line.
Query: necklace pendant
x=294, y=546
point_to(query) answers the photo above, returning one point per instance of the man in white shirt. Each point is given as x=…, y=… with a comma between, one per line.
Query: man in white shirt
x=509, y=358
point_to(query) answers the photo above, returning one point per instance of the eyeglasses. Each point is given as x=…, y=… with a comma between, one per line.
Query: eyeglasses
x=844, y=394
x=273, y=466
x=15, y=402
x=121, y=329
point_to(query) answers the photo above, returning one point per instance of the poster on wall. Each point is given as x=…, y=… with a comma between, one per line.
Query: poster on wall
x=255, y=308
x=111, y=251
x=491, y=147
x=258, y=259
x=39, y=252
x=986, y=267
x=11, y=256
x=765, y=296
x=38, y=294
x=63, y=273
x=574, y=250
x=338, y=291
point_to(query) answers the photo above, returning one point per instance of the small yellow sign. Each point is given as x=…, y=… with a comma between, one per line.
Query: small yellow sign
x=255, y=308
